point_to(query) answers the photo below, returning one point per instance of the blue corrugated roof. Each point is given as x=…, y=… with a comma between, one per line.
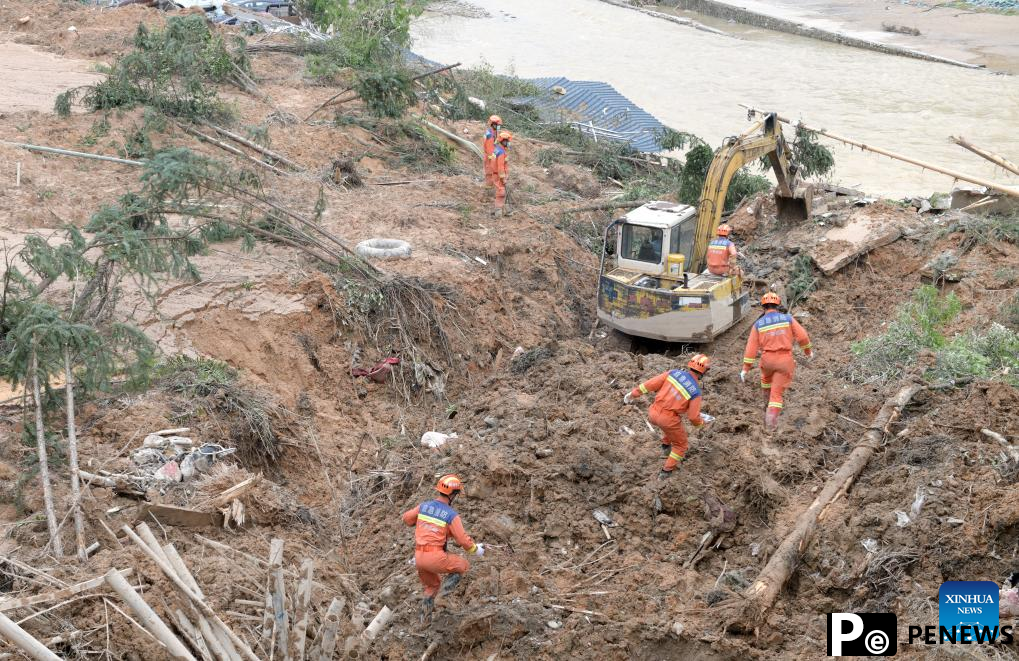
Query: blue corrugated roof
x=589, y=102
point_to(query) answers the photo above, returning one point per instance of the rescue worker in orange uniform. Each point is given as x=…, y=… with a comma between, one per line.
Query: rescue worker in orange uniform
x=722, y=253
x=772, y=336
x=436, y=521
x=501, y=158
x=679, y=392
x=491, y=135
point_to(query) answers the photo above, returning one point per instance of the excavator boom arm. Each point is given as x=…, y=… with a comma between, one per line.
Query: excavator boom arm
x=764, y=138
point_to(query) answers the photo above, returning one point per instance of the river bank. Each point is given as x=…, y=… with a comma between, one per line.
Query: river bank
x=978, y=37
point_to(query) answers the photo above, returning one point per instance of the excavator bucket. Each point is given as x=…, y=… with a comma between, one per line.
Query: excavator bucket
x=797, y=207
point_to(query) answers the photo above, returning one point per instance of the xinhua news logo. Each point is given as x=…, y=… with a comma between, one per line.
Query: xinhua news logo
x=862, y=634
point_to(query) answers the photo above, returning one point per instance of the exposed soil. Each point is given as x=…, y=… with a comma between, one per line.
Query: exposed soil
x=543, y=438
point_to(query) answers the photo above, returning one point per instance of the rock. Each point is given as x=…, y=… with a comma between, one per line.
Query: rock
x=583, y=471
x=542, y=453
x=677, y=628
x=554, y=624
x=491, y=422
x=954, y=522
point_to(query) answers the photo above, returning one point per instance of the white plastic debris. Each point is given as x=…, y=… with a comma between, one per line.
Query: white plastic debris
x=677, y=628
x=870, y=545
x=626, y=430
x=755, y=549
x=918, y=501
x=435, y=439
x=901, y=519
x=554, y=624
x=602, y=517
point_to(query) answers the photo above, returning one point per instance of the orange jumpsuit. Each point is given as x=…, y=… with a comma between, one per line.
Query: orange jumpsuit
x=678, y=392
x=772, y=336
x=500, y=158
x=490, y=134
x=720, y=250
x=435, y=523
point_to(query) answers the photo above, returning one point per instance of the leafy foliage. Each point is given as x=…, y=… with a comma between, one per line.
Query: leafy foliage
x=370, y=32
x=802, y=281
x=386, y=93
x=813, y=158
x=918, y=330
x=174, y=70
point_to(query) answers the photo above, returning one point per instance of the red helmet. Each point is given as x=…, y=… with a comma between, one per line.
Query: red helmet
x=449, y=484
x=699, y=363
x=771, y=298
x=495, y=119
x=505, y=135
x=723, y=230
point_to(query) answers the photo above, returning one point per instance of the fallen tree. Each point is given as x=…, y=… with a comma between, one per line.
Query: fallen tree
x=761, y=595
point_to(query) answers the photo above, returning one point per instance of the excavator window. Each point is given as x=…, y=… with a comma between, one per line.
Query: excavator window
x=643, y=244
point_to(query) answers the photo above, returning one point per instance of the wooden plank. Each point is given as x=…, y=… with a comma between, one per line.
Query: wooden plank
x=168, y=515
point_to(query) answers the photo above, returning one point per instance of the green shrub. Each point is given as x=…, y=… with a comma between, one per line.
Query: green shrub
x=174, y=70
x=918, y=328
x=370, y=32
x=813, y=158
x=386, y=93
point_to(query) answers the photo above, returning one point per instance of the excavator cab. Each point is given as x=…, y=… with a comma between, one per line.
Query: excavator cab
x=651, y=282
x=645, y=289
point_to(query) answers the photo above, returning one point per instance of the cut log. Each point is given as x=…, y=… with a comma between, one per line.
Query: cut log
x=253, y=145
x=762, y=593
x=44, y=468
x=24, y=641
x=605, y=205
x=72, y=455
x=147, y=617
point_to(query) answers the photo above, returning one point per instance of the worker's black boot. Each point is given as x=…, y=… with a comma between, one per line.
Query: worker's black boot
x=666, y=449
x=450, y=584
x=427, y=606
x=664, y=475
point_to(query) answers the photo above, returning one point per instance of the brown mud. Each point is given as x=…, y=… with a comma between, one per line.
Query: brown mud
x=544, y=439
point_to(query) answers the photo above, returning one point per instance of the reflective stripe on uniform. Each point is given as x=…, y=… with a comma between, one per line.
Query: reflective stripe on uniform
x=718, y=248
x=771, y=327
x=774, y=405
x=765, y=385
x=749, y=361
x=432, y=520
x=473, y=549
x=642, y=388
x=677, y=457
x=678, y=386
x=806, y=346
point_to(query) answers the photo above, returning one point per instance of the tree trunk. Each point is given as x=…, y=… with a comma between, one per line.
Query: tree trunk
x=72, y=452
x=762, y=593
x=44, y=468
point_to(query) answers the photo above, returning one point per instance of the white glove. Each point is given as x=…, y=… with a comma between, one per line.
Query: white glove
x=707, y=418
x=628, y=398
x=480, y=551
x=742, y=376
x=810, y=357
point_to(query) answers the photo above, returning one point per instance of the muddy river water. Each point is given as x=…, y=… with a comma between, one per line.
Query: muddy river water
x=693, y=81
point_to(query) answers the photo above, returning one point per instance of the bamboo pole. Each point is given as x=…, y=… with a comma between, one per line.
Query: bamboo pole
x=899, y=157
x=1000, y=161
x=55, y=595
x=762, y=593
x=330, y=625
x=606, y=205
x=229, y=149
x=24, y=641
x=192, y=634
x=72, y=452
x=44, y=468
x=68, y=152
x=147, y=617
x=150, y=540
x=281, y=618
x=302, y=611
x=199, y=603
x=377, y=624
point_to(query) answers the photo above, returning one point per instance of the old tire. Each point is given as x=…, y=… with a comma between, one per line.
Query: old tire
x=383, y=249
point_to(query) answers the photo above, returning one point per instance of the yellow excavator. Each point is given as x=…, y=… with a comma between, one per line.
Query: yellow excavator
x=652, y=282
